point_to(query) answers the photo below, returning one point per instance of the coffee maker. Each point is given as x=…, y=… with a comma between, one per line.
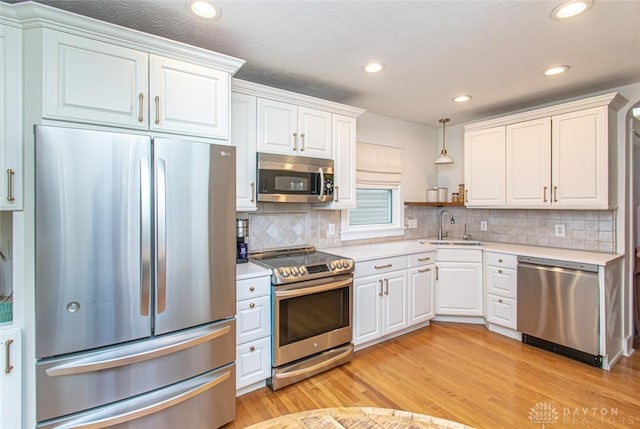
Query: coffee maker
x=242, y=241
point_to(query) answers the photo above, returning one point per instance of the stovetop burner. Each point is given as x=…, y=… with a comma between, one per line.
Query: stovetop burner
x=302, y=263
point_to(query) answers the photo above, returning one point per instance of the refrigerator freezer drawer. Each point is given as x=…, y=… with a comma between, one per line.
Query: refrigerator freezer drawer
x=203, y=402
x=82, y=381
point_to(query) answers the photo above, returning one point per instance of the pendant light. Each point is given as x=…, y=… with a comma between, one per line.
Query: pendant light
x=443, y=158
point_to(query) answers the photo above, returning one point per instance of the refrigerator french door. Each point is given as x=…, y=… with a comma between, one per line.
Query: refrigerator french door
x=135, y=280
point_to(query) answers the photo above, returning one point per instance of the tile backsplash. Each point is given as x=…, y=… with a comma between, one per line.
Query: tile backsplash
x=287, y=225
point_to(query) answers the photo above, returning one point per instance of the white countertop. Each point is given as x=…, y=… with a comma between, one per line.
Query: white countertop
x=250, y=270
x=371, y=251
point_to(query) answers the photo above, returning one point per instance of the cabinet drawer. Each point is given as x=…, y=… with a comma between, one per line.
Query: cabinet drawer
x=502, y=260
x=502, y=281
x=459, y=255
x=422, y=259
x=251, y=288
x=253, y=362
x=501, y=311
x=382, y=265
x=254, y=319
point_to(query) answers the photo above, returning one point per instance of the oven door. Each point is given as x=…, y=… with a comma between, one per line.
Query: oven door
x=311, y=317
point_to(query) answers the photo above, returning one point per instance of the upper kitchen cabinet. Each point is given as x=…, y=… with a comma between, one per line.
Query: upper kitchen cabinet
x=484, y=154
x=10, y=118
x=111, y=76
x=555, y=157
x=344, y=156
x=243, y=137
x=293, y=130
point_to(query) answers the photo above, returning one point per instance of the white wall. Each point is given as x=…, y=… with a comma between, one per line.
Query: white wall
x=418, y=142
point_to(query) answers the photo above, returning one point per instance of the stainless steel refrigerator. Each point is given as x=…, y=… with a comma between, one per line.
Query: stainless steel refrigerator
x=135, y=281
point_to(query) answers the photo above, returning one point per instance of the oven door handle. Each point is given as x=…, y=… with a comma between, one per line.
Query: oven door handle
x=292, y=293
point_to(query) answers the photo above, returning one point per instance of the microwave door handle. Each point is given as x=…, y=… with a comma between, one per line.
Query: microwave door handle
x=321, y=184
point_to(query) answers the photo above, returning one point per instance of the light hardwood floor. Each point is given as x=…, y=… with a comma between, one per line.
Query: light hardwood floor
x=467, y=374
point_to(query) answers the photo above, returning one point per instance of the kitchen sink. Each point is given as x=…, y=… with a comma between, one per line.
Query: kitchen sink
x=453, y=242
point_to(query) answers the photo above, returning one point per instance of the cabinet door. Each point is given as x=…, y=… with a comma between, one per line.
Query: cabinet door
x=253, y=319
x=344, y=159
x=314, y=133
x=11, y=378
x=367, y=296
x=188, y=98
x=395, y=302
x=528, y=164
x=277, y=127
x=484, y=167
x=580, y=159
x=243, y=137
x=459, y=289
x=94, y=82
x=421, y=305
x=11, y=118
x=253, y=362
x=502, y=311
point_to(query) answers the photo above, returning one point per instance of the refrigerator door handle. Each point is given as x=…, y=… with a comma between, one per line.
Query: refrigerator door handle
x=116, y=358
x=145, y=237
x=162, y=237
x=141, y=407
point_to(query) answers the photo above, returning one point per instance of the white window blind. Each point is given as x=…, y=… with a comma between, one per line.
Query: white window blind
x=378, y=164
x=374, y=207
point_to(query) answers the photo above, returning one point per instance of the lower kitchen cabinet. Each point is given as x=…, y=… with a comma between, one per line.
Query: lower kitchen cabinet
x=459, y=283
x=380, y=306
x=501, y=288
x=11, y=378
x=421, y=276
x=253, y=332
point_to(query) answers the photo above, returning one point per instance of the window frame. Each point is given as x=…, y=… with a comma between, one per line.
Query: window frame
x=394, y=229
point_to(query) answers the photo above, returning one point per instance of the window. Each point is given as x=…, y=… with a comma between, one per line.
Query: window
x=373, y=207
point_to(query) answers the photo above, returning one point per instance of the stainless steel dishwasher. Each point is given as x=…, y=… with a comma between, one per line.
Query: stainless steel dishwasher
x=558, y=305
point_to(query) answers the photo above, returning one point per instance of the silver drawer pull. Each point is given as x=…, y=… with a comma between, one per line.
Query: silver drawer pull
x=423, y=259
x=500, y=300
x=500, y=260
x=499, y=271
x=252, y=305
x=426, y=270
x=7, y=352
x=251, y=289
x=380, y=267
x=252, y=349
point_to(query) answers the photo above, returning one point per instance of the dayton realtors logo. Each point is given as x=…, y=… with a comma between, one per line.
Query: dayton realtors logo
x=546, y=413
x=543, y=413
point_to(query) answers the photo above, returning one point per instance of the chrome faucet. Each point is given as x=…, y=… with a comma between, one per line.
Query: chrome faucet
x=466, y=236
x=440, y=234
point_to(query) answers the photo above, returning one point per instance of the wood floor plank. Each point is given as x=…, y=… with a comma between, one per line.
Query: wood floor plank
x=467, y=374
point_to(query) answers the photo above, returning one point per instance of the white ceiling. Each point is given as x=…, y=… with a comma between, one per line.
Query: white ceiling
x=433, y=50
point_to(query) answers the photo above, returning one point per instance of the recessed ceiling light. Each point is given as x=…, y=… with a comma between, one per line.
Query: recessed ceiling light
x=571, y=8
x=552, y=71
x=462, y=98
x=204, y=8
x=373, y=67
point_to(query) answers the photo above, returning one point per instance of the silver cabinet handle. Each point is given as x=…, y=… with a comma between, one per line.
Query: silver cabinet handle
x=499, y=271
x=424, y=259
x=253, y=192
x=437, y=272
x=295, y=142
x=381, y=283
x=336, y=196
x=426, y=270
x=380, y=267
x=251, y=289
x=302, y=140
x=117, y=358
x=252, y=305
x=252, y=348
x=145, y=237
x=161, y=202
x=466, y=195
x=500, y=260
x=544, y=194
x=7, y=354
x=140, y=107
x=10, y=196
x=157, y=100
x=555, y=194
x=500, y=300
x=386, y=286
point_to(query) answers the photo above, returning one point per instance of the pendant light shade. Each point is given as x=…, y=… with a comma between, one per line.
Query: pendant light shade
x=444, y=158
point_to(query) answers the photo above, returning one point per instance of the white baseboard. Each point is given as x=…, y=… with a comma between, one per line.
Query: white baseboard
x=507, y=332
x=475, y=320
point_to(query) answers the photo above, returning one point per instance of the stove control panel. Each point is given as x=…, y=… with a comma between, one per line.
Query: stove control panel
x=294, y=274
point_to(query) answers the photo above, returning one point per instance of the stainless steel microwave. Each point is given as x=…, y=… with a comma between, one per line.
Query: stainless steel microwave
x=294, y=179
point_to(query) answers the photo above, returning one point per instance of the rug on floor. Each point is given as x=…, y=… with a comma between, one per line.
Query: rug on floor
x=357, y=418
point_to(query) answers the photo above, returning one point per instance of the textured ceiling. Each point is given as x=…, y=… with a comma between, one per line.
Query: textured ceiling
x=433, y=50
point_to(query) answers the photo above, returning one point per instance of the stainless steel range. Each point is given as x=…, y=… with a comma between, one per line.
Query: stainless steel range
x=312, y=312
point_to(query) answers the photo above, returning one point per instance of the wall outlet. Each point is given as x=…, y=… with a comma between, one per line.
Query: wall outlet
x=331, y=229
x=483, y=225
x=560, y=231
x=413, y=223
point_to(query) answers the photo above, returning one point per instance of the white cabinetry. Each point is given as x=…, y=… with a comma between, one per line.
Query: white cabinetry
x=95, y=82
x=243, y=137
x=421, y=276
x=484, y=154
x=11, y=172
x=11, y=378
x=253, y=331
x=554, y=157
x=459, y=282
x=344, y=156
x=501, y=289
x=380, y=300
x=293, y=130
